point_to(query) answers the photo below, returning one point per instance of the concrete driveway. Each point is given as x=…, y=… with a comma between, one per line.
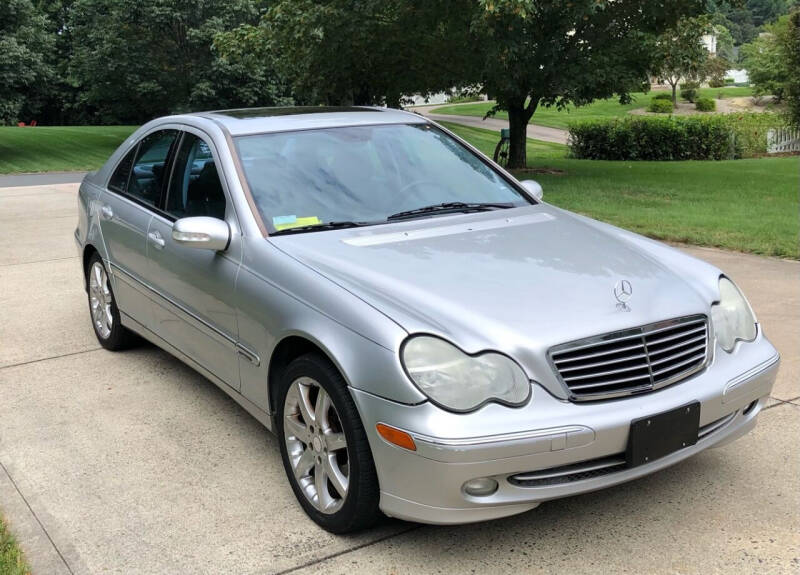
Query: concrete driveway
x=133, y=463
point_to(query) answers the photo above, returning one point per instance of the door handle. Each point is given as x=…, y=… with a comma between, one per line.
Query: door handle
x=106, y=212
x=156, y=238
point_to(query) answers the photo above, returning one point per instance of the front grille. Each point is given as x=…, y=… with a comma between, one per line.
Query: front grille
x=632, y=361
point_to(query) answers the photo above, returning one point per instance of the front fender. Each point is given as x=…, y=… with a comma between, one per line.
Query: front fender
x=277, y=297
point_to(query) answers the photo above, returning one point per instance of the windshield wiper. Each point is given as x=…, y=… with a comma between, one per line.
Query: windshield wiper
x=323, y=226
x=450, y=207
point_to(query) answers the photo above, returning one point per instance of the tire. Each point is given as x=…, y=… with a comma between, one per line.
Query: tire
x=312, y=452
x=501, y=152
x=103, y=309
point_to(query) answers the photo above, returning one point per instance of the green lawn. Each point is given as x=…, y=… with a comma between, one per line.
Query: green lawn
x=58, y=148
x=744, y=205
x=601, y=109
x=11, y=560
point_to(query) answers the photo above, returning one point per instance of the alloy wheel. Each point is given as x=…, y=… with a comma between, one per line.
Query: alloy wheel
x=316, y=445
x=100, y=300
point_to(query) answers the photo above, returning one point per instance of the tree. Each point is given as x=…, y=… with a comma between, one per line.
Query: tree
x=725, y=43
x=681, y=54
x=368, y=52
x=136, y=59
x=792, y=53
x=555, y=53
x=766, y=11
x=766, y=60
x=733, y=15
x=25, y=56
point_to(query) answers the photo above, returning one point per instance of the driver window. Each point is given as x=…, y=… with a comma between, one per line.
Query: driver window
x=195, y=188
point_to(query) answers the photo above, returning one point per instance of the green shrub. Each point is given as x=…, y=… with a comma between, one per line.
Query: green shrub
x=652, y=138
x=705, y=105
x=717, y=137
x=660, y=106
x=729, y=81
x=662, y=96
x=716, y=83
x=689, y=90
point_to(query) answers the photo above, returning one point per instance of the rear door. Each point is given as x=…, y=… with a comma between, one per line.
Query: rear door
x=132, y=194
x=194, y=306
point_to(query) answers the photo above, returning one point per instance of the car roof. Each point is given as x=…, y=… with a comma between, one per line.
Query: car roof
x=246, y=121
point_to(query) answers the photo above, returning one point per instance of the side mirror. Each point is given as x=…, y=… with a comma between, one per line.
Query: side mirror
x=202, y=232
x=534, y=188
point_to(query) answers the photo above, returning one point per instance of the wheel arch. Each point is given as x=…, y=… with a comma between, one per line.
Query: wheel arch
x=285, y=352
x=88, y=251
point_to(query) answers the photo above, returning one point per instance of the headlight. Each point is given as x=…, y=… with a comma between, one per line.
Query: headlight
x=732, y=317
x=461, y=382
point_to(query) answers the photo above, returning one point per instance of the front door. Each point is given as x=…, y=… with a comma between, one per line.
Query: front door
x=126, y=208
x=194, y=309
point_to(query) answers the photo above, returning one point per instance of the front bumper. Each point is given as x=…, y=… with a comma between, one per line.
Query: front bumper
x=499, y=442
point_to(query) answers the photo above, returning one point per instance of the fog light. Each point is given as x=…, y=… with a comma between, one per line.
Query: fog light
x=480, y=487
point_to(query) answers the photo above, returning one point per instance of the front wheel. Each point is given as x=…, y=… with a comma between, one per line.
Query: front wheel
x=324, y=447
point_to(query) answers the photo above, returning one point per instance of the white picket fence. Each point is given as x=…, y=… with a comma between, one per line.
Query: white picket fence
x=783, y=140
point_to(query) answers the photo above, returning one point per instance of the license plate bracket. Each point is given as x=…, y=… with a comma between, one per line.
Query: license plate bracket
x=656, y=436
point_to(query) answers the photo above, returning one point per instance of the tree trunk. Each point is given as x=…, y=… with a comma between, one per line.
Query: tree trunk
x=518, y=117
x=674, y=94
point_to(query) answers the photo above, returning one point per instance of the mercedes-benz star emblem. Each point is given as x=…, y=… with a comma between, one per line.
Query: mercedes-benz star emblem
x=623, y=292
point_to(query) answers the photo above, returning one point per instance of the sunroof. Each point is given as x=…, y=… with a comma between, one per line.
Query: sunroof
x=245, y=113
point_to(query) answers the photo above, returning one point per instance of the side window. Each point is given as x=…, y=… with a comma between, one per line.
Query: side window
x=119, y=179
x=149, y=168
x=195, y=188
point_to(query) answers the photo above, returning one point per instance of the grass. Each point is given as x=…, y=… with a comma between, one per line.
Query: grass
x=11, y=560
x=744, y=205
x=599, y=110
x=58, y=148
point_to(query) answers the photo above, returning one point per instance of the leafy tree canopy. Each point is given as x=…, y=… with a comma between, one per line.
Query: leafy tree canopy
x=768, y=61
x=25, y=56
x=364, y=52
x=136, y=59
x=791, y=51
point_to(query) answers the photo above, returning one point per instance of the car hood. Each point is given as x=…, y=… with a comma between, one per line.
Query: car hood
x=517, y=280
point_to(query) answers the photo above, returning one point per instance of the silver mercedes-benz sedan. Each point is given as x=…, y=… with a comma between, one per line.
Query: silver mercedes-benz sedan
x=425, y=335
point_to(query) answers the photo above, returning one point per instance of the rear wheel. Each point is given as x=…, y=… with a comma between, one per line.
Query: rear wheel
x=324, y=447
x=103, y=308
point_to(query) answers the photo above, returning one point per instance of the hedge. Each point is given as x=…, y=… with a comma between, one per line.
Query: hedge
x=705, y=105
x=662, y=96
x=690, y=90
x=660, y=106
x=717, y=137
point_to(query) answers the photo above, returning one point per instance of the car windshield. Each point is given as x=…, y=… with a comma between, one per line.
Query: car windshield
x=365, y=175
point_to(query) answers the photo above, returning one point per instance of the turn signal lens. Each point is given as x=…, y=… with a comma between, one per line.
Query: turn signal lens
x=396, y=437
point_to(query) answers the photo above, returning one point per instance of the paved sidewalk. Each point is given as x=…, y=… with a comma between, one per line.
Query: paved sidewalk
x=42, y=179
x=534, y=132
x=133, y=463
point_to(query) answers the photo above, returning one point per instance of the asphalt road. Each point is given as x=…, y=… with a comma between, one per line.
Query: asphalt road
x=535, y=132
x=133, y=463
